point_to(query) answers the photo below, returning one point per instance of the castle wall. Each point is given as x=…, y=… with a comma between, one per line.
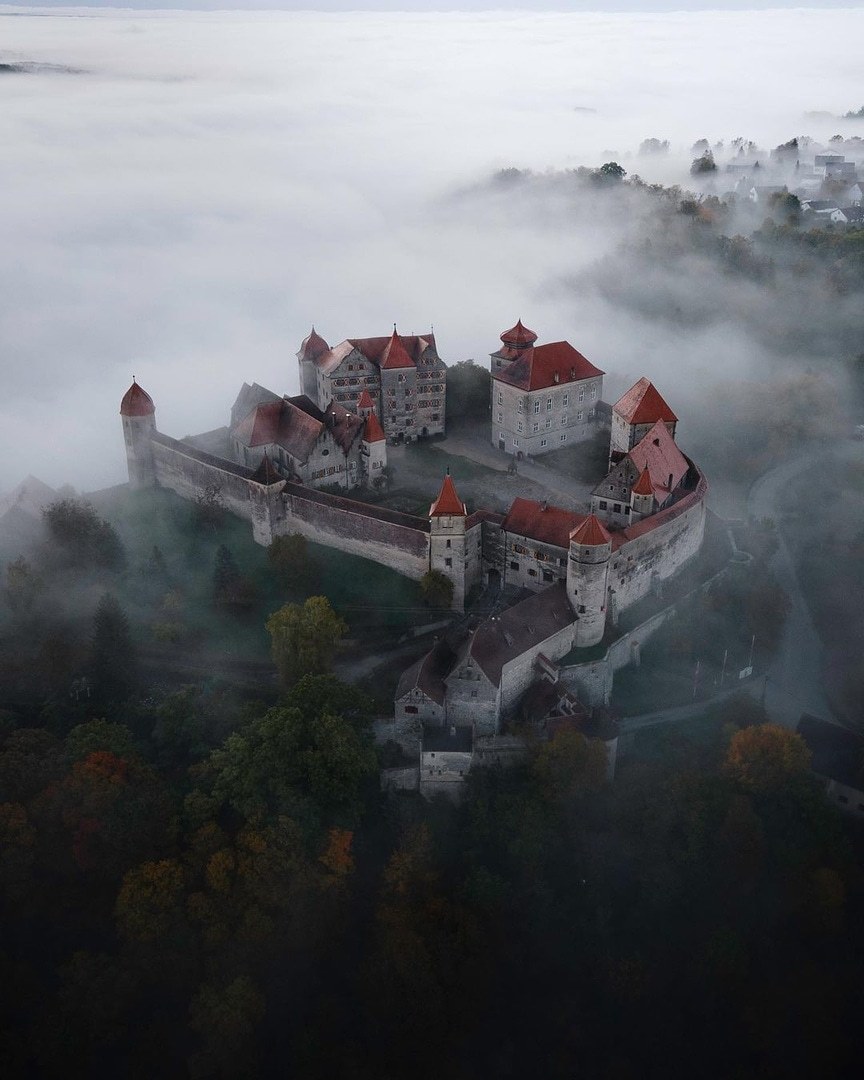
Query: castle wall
x=520, y=672
x=659, y=546
x=397, y=541
x=472, y=699
x=533, y=564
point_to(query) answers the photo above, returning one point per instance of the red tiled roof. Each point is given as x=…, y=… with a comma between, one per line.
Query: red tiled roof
x=657, y=452
x=374, y=348
x=266, y=473
x=643, y=485
x=643, y=404
x=342, y=425
x=551, y=525
x=395, y=355
x=519, y=335
x=448, y=502
x=590, y=533
x=313, y=346
x=280, y=423
x=365, y=401
x=506, y=352
x=373, y=432
x=137, y=402
x=547, y=365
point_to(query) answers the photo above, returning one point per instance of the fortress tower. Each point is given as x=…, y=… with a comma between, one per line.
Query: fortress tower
x=139, y=422
x=447, y=518
x=588, y=580
x=515, y=342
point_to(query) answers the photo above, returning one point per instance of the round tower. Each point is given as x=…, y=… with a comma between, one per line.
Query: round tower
x=642, y=497
x=588, y=580
x=138, y=414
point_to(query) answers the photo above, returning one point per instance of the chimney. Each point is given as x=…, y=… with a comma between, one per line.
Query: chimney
x=543, y=505
x=670, y=481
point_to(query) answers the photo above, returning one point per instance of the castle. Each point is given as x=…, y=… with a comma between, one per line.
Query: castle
x=578, y=571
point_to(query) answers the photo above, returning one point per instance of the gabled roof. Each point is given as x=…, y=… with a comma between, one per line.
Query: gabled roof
x=344, y=426
x=313, y=346
x=591, y=533
x=266, y=472
x=248, y=398
x=428, y=673
x=548, y=524
x=643, y=485
x=365, y=401
x=499, y=640
x=395, y=354
x=557, y=363
x=448, y=502
x=657, y=452
x=330, y=360
x=642, y=404
x=137, y=402
x=519, y=335
x=280, y=423
x=373, y=432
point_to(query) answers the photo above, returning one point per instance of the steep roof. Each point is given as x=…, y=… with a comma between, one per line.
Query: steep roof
x=137, y=402
x=643, y=485
x=591, y=533
x=657, y=452
x=344, y=426
x=280, y=423
x=313, y=346
x=643, y=404
x=547, y=365
x=373, y=432
x=365, y=401
x=374, y=348
x=395, y=354
x=266, y=472
x=428, y=673
x=548, y=524
x=248, y=398
x=519, y=335
x=448, y=502
x=499, y=640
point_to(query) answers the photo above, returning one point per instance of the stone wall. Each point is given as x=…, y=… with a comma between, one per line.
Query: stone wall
x=519, y=673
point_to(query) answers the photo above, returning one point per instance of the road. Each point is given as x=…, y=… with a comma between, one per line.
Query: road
x=795, y=677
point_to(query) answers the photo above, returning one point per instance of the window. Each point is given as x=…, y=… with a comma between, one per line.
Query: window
x=500, y=398
x=566, y=400
x=532, y=573
x=501, y=435
x=514, y=565
x=581, y=609
x=626, y=509
x=500, y=417
x=581, y=396
x=544, y=442
x=536, y=406
x=564, y=419
x=617, y=508
x=579, y=415
x=548, y=404
x=593, y=393
x=515, y=441
x=411, y=709
x=519, y=405
x=401, y=377
x=603, y=504
x=449, y=544
x=519, y=426
x=564, y=436
x=448, y=562
x=548, y=422
x=547, y=575
x=521, y=550
x=473, y=693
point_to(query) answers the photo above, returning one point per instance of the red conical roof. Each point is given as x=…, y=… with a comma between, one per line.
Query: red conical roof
x=137, y=402
x=643, y=485
x=373, y=432
x=314, y=346
x=519, y=335
x=643, y=404
x=590, y=533
x=266, y=472
x=394, y=355
x=448, y=502
x=365, y=401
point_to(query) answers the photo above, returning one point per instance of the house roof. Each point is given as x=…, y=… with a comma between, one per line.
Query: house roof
x=428, y=673
x=137, y=402
x=365, y=401
x=519, y=335
x=280, y=423
x=547, y=365
x=313, y=346
x=538, y=520
x=395, y=354
x=373, y=432
x=266, y=472
x=344, y=426
x=643, y=404
x=657, y=452
x=500, y=639
x=443, y=740
x=837, y=752
x=248, y=398
x=448, y=502
x=643, y=485
x=591, y=533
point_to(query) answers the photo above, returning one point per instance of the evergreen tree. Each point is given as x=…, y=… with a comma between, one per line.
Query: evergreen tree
x=112, y=666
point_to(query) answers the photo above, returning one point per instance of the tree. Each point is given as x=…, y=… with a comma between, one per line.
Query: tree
x=703, y=164
x=437, y=589
x=85, y=537
x=651, y=147
x=112, y=666
x=767, y=758
x=569, y=765
x=22, y=585
x=291, y=562
x=230, y=587
x=468, y=392
x=611, y=172
x=304, y=638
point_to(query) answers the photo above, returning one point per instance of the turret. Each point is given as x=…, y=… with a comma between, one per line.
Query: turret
x=515, y=341
x=642, y=496
x=373, y=446
x=313, y=347
x=138, y=415
x=447, y=517
x=588, y=580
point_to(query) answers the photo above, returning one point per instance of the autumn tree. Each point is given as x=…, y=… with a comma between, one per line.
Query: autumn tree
x=83, y=536
x=437, y=590
x=304, y=638
x=291, y=562
x=569, y=765
x=766, y=759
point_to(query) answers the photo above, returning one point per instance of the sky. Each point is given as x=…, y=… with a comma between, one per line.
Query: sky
x=183, y=195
